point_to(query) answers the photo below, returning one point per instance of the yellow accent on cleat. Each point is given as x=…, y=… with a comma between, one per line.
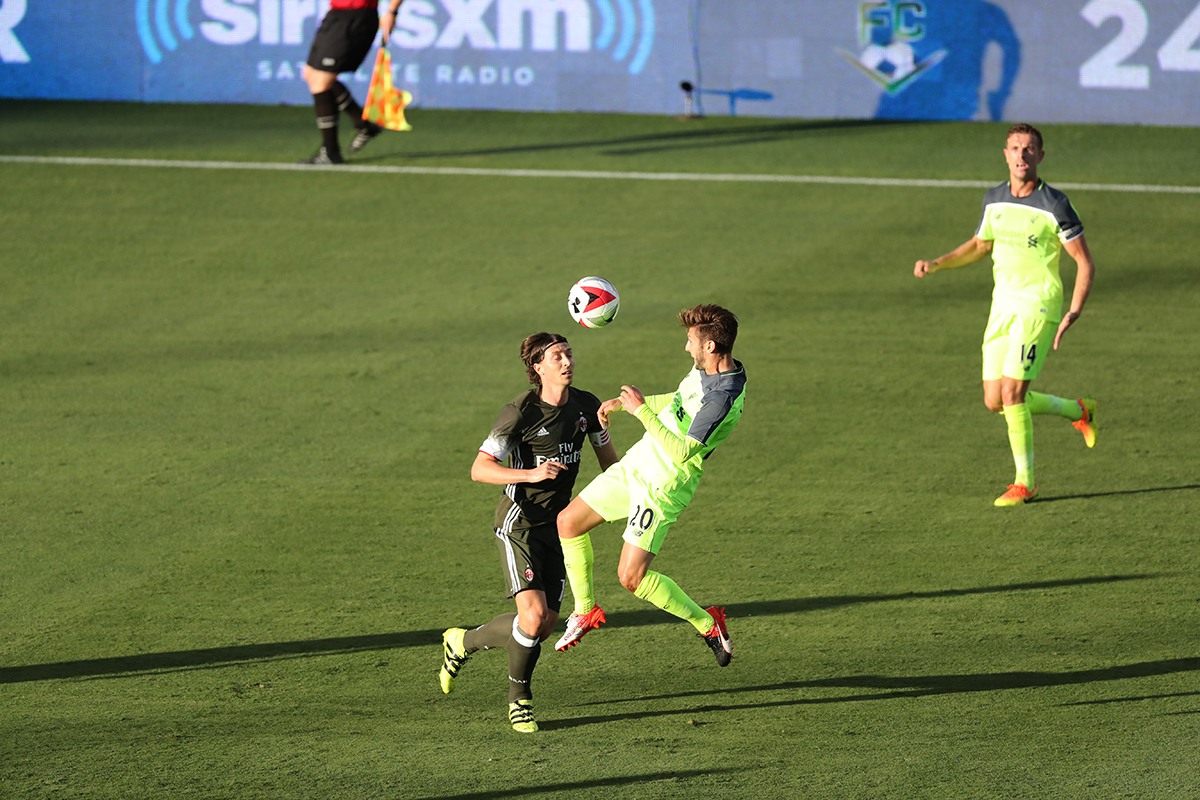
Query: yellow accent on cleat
x=1087, y=425
x=1017, y=494
x=454, y=655
x=520, y=715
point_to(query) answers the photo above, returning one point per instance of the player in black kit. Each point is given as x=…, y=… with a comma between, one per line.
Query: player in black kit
x=541, y=435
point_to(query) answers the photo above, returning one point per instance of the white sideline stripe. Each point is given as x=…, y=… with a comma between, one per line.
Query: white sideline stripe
x=581, y=174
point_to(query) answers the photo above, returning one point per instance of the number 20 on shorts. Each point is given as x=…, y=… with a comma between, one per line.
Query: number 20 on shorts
x=641, y=520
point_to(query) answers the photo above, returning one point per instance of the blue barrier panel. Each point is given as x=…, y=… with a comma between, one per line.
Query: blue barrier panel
x=1129, y=61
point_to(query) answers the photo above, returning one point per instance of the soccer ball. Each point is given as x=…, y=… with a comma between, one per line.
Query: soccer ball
x=593, y=302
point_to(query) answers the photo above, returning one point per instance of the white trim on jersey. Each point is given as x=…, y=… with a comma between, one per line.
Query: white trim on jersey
x=497, y=448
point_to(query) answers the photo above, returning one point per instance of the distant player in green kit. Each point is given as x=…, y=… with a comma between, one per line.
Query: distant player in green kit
x=1025, y=226
x=541, y=435
x=656, y=480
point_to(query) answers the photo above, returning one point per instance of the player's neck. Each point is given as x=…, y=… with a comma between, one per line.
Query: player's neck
x=721, y=363
x=553, y=395
x=1023, y=187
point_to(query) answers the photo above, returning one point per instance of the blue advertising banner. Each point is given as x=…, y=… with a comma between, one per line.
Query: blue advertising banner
x=1124, y=61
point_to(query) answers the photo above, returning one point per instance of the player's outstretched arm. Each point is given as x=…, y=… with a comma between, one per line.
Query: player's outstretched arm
x=1085, y=272
x=487, y=469
x=968, y=252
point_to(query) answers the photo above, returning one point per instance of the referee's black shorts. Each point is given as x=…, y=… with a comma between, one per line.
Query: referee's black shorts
x=344, y=39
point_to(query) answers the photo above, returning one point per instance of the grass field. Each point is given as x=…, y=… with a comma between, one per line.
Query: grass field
x=238, y=410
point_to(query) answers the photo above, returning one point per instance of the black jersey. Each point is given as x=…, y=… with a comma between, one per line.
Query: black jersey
x=529, y=432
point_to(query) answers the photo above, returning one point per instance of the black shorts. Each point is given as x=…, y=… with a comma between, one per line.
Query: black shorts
x=534, y=560
x=344, y=39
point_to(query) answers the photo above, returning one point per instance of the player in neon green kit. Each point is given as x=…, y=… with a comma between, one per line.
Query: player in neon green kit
x=656, y=480
x=1025, y=226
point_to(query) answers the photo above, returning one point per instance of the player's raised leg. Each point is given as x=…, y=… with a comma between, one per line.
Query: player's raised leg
x=657, y=589
x=574, y=522
x=1081, y=413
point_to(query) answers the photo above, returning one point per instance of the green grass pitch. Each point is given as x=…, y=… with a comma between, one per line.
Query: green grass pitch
x=238, y=410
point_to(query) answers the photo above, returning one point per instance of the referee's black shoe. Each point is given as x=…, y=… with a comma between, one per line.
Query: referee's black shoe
x=363, y=136
x=324, y=156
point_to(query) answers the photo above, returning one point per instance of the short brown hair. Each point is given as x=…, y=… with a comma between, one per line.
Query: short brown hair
x=713, y=324
x=534, y=347
x=1025, y=127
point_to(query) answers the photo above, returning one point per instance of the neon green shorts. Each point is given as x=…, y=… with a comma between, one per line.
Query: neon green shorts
x=1015, y=346
x=619, y=493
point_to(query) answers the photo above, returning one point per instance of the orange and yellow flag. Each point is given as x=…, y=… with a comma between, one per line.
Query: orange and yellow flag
x=385, y=104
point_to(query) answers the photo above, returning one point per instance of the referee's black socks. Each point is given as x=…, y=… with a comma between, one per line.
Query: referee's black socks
x=325, y=104
x=346, y=102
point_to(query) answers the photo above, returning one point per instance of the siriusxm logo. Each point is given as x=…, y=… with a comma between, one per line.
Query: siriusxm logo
x=624, y=27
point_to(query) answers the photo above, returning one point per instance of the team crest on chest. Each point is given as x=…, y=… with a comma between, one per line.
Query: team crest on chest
x=583, y=425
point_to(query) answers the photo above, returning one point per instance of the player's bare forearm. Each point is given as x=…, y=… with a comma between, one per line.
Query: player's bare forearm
x=1085, y=273
x=606, y=454
x=486, y=469
x=968, y=252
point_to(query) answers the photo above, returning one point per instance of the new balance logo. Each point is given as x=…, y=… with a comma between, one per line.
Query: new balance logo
x=543, y=432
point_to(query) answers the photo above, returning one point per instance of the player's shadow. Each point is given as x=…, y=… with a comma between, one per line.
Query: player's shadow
x=221, y=657
x=632, y=782
x=669, y=140
x=880, y=687
x=1119, y=493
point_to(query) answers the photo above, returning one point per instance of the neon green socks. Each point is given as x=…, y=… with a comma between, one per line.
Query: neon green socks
x=663, y=592
x=1049, y=404
x=577, y=558
x=1020, y=438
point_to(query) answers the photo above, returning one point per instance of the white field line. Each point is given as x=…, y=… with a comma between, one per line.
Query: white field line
x=918, y=183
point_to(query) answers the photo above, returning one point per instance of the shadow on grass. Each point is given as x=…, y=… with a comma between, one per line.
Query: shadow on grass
x=659, y=142
x=1041, y=500
x=219, y=657
x=625, y=780
x=1134, y=699
x=887, y=688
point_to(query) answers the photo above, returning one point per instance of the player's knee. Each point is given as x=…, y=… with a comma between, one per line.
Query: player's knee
x=631, y=579
x=566, y=526
x=535, y=623
x=993, y=404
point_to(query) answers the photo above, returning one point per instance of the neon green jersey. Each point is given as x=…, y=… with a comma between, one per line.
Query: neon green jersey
x=683, y=428
x=1028, y=233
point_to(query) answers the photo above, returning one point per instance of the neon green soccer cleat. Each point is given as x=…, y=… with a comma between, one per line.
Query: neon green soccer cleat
x=520, y=715
x=454, y=655
x=1087, y=425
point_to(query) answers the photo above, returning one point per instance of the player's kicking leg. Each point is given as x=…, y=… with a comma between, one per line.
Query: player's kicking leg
x=574, y=522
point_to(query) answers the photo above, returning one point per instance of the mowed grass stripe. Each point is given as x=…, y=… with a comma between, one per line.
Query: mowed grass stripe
x=580, y=174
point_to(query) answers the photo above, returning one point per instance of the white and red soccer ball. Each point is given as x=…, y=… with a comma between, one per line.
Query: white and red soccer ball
x=593, y=302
